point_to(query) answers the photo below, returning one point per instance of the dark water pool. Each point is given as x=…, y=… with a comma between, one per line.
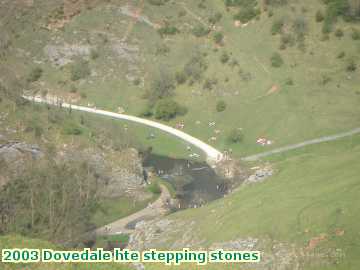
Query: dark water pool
x=195, y=183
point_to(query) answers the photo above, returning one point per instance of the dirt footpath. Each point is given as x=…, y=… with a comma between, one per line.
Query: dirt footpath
x=156, y=209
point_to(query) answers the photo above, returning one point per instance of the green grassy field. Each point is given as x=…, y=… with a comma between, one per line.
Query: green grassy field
x=312, y=193
x=113, y=209
x=312, y=106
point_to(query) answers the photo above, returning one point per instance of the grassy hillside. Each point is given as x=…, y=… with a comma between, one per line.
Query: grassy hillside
x=313, y=93
x=312, y=194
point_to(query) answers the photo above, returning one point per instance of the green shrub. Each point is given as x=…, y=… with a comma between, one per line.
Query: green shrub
x=215, y=18
x=341, y=55
x=224, y=58
x=235, y=136
x=162, y=86
x=79, y=70
x=200, y=30
x=300, y=27
x=218, y=37
x=154, y=188
x=71, y=128
x=339, y=33
x=94, y=54
x=73, y=89
x=319, y=16
x=182, y=13
x=276, y=60
x=325, y=79
x=209, y=83
x=168, y=29
x=167, y=109
x=35, y=74
x=275, y=2
x=147, y=112
x=162, y=49
x=195, y=67
x=137, y=81
x=180, y=77
x=287, y=39
x=351, y=66
x=355, y=35
x=220, y=106
x=157, y=2
x=327, y=25
x=277, y=26
x=246, y=14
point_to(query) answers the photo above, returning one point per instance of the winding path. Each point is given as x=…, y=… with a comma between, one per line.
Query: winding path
x=213, y=155
x=127, y=224
x=303, y=144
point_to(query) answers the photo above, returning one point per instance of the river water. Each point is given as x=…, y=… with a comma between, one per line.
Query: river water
x=196, y=183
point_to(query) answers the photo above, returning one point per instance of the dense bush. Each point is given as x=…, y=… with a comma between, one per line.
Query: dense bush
x=167, y=109
x=287, y=40
x=319, y=16
x=162, y=49
x=154, y=188
x=351, y=66
x=162, y=86
x=79, y=70
x=157, y=2
x=247, y=14
x=220, y=106
x=355, y=35
x=147, y=112
x=235, y=136
x=35, y=74
x=341, y=55
x=300, y=27
x=276, y=60
x=275, y=2
x=224, y=58
x=277, y=26
x=94, y=54
x=218, y=37
x=195, y=67
x=339, y=33
x=168, y=29
x=215, y=18
x=71, y=128
x=200, y=30
x=180, y=77
x=210, y=83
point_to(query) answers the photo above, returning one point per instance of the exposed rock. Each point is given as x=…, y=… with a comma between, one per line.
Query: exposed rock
x=60, y=55
x=13, y=156
x=14, y=152
x=260, y=175
x=119, y=173
x=231, y=169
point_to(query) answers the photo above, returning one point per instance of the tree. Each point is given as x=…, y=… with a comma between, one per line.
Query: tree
x=235, y=136
x=220, y=106
x=218, y=38
x=51, y=200
x=167, y=109
x=79, y=70
x=276, y=60
x=35, y=74
x=162, y=86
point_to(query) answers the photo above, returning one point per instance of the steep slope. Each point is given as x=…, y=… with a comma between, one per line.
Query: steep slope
x=306, y=207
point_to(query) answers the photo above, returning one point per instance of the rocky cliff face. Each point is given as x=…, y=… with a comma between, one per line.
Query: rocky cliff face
x=118, y=173
x=14, y=156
